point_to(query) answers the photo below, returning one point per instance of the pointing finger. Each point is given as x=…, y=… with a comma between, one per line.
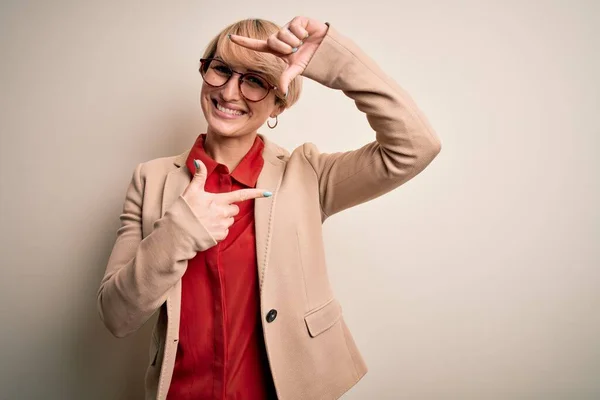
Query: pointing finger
x=243, y=195
x=252, y=44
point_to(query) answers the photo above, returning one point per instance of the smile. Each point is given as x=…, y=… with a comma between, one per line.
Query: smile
x=227, y=112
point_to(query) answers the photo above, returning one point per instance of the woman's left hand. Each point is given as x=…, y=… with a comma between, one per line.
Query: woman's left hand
x=295, y=43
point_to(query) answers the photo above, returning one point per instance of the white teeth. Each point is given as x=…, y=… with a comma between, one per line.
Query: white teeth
x=228, y=111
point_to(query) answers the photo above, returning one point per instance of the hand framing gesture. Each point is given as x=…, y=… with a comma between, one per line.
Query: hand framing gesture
x=296, y=42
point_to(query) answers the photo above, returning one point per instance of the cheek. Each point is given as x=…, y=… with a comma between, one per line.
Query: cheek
x=205, y=98
x=262, y=110
x=204, y=92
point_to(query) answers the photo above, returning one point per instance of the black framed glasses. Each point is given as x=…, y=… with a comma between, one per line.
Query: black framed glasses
x=217, y=73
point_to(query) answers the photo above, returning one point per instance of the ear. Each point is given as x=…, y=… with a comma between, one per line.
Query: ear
x=277, y=110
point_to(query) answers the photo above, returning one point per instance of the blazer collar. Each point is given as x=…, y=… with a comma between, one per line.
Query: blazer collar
x=271, y=153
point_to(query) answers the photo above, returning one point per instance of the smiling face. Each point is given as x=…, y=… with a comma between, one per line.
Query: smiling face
x=227, y=112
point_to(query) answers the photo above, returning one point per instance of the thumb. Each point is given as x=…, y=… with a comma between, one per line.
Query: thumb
x=288, y=76
x=199, y=178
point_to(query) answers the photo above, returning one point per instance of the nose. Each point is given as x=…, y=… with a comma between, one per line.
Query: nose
x=231, y=90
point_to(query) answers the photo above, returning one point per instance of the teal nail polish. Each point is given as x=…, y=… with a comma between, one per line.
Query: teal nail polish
x=197, y=164
x=267, y=194
x=229, y=36
x=295, y=49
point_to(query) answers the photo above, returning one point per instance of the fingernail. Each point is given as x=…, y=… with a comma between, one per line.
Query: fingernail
x=301, y=43
x=229, y=36
x=267, y=194
x=197, y=164
x=305, y=36
x=295, y=49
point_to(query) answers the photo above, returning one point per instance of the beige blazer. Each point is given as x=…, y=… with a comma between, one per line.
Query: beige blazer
x=310, y=349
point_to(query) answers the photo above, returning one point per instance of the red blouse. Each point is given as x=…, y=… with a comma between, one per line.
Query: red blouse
x=221, y=353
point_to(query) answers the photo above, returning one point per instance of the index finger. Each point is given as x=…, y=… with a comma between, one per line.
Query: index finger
x=243, y=195
x=249, y=43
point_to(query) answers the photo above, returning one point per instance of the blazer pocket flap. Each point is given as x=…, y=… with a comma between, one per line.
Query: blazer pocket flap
x=323, y=318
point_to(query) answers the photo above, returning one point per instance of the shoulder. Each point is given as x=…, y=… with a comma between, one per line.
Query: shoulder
x=303, y=152
x=162, y=166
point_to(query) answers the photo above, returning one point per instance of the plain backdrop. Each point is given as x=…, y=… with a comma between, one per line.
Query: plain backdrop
x=478, y=279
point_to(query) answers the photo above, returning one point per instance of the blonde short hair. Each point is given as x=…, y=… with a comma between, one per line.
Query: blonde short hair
x=270, y=66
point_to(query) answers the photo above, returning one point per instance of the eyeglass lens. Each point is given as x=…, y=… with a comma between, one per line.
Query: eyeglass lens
x=216, y=73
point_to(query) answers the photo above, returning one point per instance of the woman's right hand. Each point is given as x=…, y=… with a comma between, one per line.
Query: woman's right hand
x=216, y=210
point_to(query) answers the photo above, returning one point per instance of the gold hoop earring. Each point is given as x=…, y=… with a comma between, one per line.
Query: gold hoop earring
x=276, y=122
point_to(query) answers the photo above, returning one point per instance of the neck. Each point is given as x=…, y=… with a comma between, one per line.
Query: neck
x=228, y=151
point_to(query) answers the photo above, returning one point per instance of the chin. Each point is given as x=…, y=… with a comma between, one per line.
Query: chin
x=221, y=129
x=223, y=133
x=226, y=128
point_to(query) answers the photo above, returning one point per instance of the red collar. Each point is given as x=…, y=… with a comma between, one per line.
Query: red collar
x=245, y=173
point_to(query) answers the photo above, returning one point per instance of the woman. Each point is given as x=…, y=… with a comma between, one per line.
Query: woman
x=225, y=240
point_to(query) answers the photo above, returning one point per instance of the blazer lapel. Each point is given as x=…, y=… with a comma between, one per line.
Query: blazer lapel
x=269, y=179
x=175, y=183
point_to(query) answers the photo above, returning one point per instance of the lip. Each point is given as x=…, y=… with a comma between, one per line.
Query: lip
x=224, y=115
x=230, y=106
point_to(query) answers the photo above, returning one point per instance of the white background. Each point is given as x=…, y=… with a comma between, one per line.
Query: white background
x=479, y=279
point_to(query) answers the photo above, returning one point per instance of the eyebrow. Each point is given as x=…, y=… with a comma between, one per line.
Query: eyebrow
x=247, y=71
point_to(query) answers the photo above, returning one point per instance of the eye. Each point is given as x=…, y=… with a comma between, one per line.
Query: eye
x=256, y=81
x=221, y=69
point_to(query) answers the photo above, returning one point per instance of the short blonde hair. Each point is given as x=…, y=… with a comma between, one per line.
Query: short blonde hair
x=270, y=66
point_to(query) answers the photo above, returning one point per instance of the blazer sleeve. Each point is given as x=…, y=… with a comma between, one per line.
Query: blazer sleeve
x=141, y=271
x=404, y=141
